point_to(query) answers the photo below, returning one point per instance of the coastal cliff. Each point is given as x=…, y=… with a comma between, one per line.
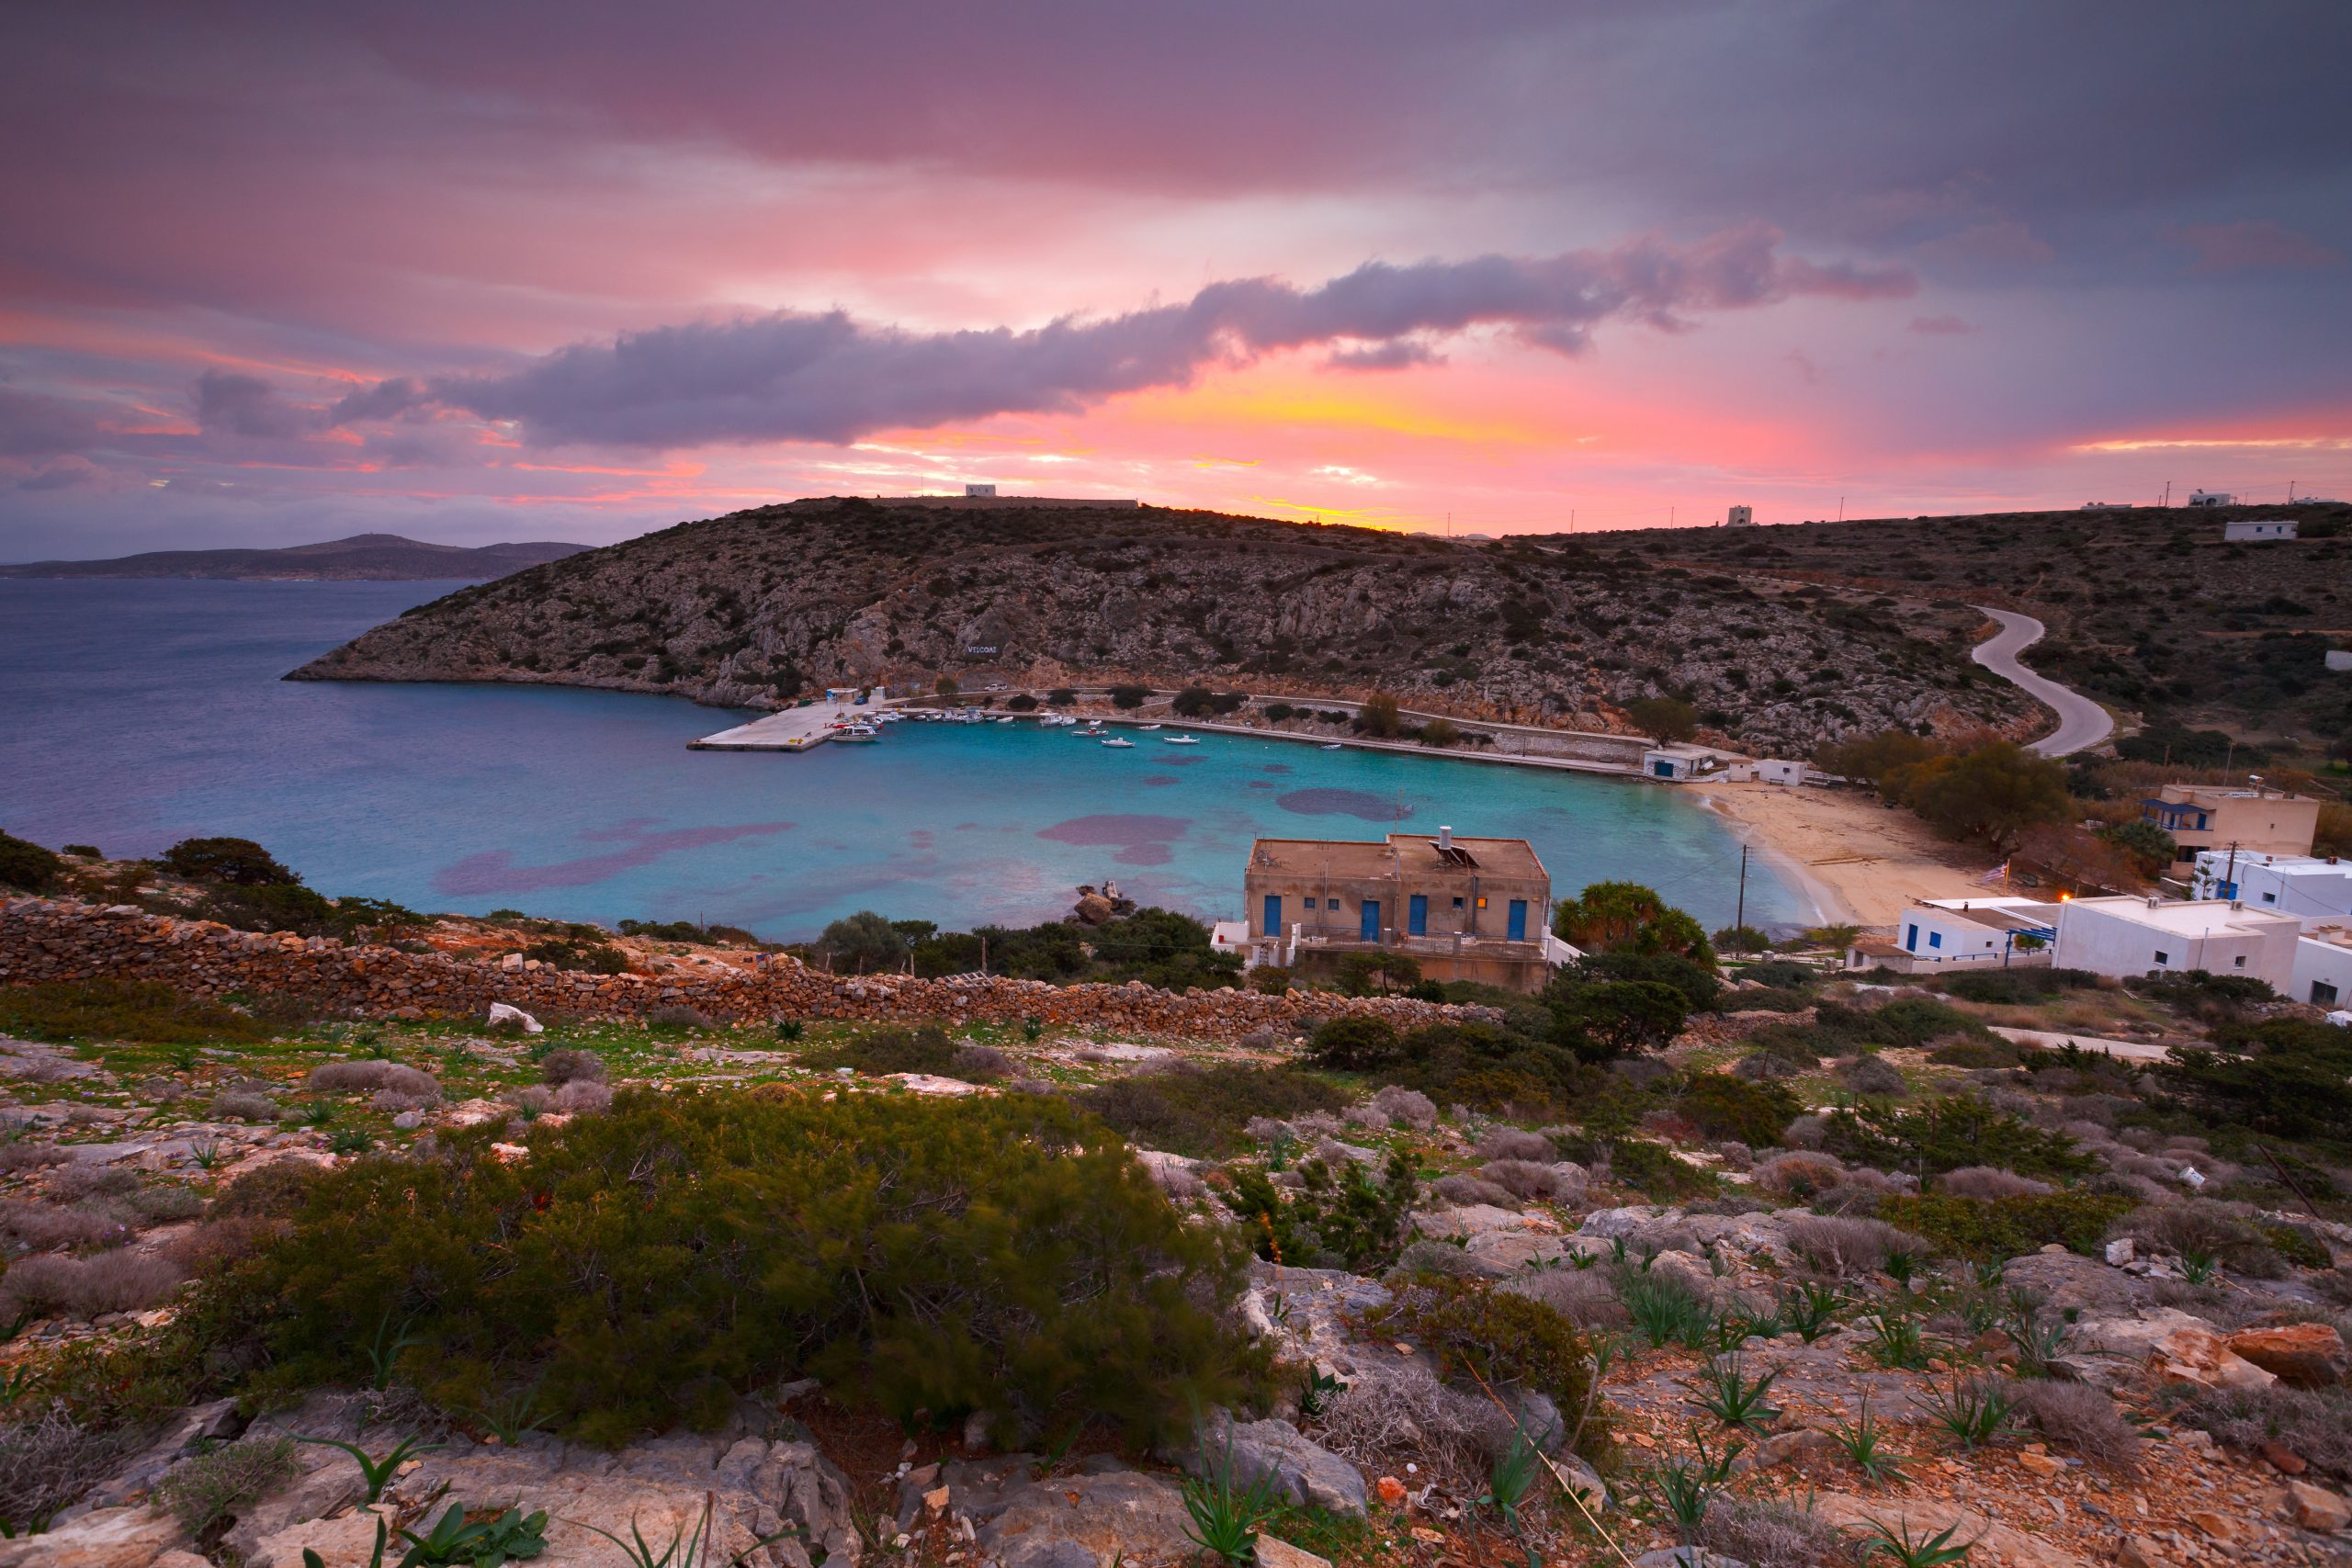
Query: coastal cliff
x=754, y=609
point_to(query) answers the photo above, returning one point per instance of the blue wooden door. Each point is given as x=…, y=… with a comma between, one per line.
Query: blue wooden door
x=1369, y=930
x=1416, y=914
x=1518, y=919
x=1274, y=915
x=1911, y=940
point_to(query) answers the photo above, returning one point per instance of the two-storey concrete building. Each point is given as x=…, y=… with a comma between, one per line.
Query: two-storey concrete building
x=2253, y=820
x=1462, y=909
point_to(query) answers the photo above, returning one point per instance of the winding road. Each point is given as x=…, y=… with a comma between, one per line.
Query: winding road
x=2081, y=722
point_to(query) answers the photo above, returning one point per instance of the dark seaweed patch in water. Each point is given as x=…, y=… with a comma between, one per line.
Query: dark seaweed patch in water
x=1154, y=781
x=1131, y=831
x=1342, y=803
x=495, y=871
x=1259, y=784
x=1275, y=768
x=1182, y=761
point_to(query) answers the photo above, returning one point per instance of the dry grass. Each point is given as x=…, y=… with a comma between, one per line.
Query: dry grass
x=1844, y=1248
x=360, y=1078
x=88, y=1287
x=2078, y=1417
x=1510, y=1143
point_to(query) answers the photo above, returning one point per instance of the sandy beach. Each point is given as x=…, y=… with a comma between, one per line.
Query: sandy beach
x=1857, y=860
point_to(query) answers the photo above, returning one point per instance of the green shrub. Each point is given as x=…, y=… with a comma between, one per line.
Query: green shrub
x=1508, y=1339
x=1946, y=1134
x=1203, y=1111
x=1355, y=1043
x=238, y=861
x=1343, y=1221
x=1652, y=1169
x=1914, y=1021
x=1129, y=697
x=2291, y=1081
x=27, y=866
x=1722, y=1106
x=648, y=1266
x=926, y=1049
x=1998, y=1228
x=1778, y=972
x=120, y=1009
x=2018, y=986
x=215, y=1484
x=1993, y=1053
x=2298, y=1247
x=595, y=957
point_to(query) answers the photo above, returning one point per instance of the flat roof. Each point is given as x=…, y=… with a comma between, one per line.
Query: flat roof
x=1413, y=852
x=2180, y=793
x=2195, y=916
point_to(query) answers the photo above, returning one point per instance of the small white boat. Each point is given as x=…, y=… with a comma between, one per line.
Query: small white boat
x=1330, y=745
x=857, y=732
x=1123, y=745
x=1180, y=741
x=1150, y=727
x=1004, y=719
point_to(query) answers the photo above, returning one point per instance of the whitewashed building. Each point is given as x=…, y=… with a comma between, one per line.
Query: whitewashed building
x=2127, y=937
x=2324, y=967
x=2254, y=528
x=2315, y=889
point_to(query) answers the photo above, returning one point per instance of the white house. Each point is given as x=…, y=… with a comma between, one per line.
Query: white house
x=2324, y=967
x=2212, y=498
x=2315, y=889
x=2126, y=937
x=1740, y=517
x=1676, y=761
x=1936, y=932
x=2258, y=528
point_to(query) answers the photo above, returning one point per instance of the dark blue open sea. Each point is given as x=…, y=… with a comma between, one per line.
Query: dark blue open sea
x=136, y=714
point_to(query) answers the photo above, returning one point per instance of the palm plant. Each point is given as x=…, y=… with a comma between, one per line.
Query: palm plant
x=1862, y=1443
x=1728, y=1394
x=1225, y=1521
x=1972, y=1413
x=1913, y=1551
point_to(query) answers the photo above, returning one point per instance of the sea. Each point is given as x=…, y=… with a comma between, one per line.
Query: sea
x=136, y=714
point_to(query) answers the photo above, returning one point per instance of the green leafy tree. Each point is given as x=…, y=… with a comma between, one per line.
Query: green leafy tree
x=238, y=861
x=2283, y=1077
x=1740, y=939
x=1380, y=717
x=946, y=686
x=1129, y=697
x=862, y=943
x=1617, y=1017
x=1192, y=702
x=1994, y=793
x=1441, y=732
x=2151, y=849
x=1874, y=756
x=1666, y=718
x=27, y=866
x=1626, y=917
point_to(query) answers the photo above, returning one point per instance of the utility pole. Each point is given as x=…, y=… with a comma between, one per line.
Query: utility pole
x=1739, y=915
x=2230, y=877
x=1841, y=509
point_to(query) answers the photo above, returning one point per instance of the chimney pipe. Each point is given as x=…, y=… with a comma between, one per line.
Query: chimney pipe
x=1446, y=838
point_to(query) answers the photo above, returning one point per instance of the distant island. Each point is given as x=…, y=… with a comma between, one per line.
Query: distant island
x=363, y=557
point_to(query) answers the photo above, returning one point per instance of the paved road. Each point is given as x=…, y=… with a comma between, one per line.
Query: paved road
x=2081, y=722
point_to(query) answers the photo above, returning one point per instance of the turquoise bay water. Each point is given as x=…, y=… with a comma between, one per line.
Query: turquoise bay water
x=136, y=714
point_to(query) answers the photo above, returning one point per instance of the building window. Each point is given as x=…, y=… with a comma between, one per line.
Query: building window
x=1308, y=903
x=2270, y=898
x=2239, y=962
x=2164, y=957
x=1935, y=939
x=1457, y=903
x=2322, y=993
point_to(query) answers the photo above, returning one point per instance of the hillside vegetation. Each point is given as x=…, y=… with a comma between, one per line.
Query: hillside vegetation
x=2149, y=611
x=757, y=608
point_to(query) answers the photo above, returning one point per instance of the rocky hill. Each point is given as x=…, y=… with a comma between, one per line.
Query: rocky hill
x=363, y=557
x=754, y=609
x=2150, y=611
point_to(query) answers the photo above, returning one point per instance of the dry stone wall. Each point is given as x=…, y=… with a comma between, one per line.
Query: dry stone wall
x=44, y=939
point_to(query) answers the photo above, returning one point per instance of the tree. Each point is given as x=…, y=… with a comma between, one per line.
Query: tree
x=1619, y=1015
x=1192, y=702
x=1626, y=917
x=1995, y=792
x=1061, y=697
x=946, y=686
x=1271, y=979
x=1441, y=732
x=1667, y=719
x=1021, y=702
x=241, y=863
x=2151, y=849
x=1129, y=696
x=1379, y=716
x=1740, y=939
x=862, y=942
x=27, y=866
x=1873, y=757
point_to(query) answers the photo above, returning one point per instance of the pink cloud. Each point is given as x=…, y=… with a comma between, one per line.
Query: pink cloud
x=2256, y=243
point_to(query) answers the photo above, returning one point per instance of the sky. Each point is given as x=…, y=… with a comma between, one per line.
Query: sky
x=274, y=272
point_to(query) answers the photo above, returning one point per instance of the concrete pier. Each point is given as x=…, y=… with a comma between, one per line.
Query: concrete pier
x=793, y=729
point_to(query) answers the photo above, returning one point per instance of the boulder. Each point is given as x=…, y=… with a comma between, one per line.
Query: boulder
x=2308, y=1355
x=2317, y=1509
x=1989, y=1542
x=1089, y=1521
x=1272, y=1553
x=2180, y=1348
x=103, y=1538
x=1298, y=1470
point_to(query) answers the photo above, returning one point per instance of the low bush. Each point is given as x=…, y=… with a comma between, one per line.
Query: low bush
x=1994, y=1052
x=1721, y=1106
x=1779, y=973
x=351, y=1078
x=2285, y=1076
x=89, y=1178
x=1845, y=1248
x=1798, y=1173
x=22, y=1155
x=980, y=1064
x=27, y=866
x=675, y=1015
x=2078, y=1417
x=1988, y=1181
x=1462, y=1189
x=1409, y=1107
x=2196, y=1227
x=120, y=1009
x=1586, y=1297
x=1993, y=1229
x=1336, y=1218
x=583, y=1097
x=214, y=1486
x=1511, y=1143
x=2316, y=1424
x=1772, y=1532
x=120, y=1281
x=87, y=1225
x=1003, y=1254
x=1875, y=1077
x=1915, y=1021
x=48, y=1460
x=881, y=1052
x=2015, y=987
x=1946, y=1134
x=565, y=1066
x=1203, y=1111
x=1533, y=1179
x=1508, y=1339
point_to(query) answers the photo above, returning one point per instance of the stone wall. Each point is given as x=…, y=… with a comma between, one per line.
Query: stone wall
x=62, y=940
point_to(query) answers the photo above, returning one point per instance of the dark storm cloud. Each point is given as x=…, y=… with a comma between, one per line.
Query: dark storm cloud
x=230, y=403
x=34, y=424
x=796, y=376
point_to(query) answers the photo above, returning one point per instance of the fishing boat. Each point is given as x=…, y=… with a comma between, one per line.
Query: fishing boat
x=856, y=732
x=1180, y=739
x=1004, y=719
x=1330, y=745
x=1123, y=745
x=1152, y=727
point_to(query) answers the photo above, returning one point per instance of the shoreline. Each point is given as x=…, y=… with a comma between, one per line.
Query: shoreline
x=1859, y=862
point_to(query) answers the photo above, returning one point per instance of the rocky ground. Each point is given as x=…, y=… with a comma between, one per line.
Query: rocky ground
x=755, y=608
x=2170, y=1388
